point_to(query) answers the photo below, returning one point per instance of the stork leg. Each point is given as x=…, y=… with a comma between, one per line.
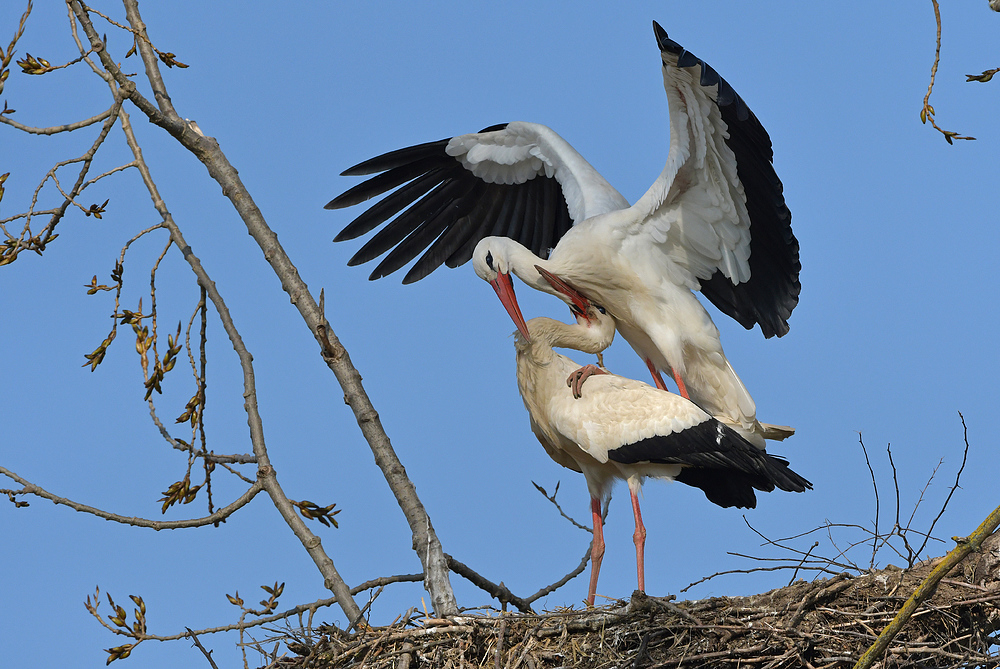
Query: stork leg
x=640, y=540
x=656, y=375
x=576, y=379
x=596, y=549
x=681, y=388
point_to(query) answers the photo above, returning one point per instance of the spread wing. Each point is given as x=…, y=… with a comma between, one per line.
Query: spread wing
x=717, y=211
x=516, y=180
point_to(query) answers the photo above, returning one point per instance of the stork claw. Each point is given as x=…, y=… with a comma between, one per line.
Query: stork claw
x=576, y=379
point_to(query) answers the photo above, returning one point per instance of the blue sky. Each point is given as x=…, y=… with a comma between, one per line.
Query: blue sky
x=894, y=334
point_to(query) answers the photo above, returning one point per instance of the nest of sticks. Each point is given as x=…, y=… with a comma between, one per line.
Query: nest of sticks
x=820, y=624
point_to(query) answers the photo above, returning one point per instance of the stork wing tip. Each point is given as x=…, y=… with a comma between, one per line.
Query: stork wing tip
x=663, y=41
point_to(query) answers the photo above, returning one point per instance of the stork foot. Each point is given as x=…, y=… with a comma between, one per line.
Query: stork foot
x=576, y=379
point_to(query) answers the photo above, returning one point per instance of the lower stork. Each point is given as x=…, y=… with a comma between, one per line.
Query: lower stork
x=619, y=428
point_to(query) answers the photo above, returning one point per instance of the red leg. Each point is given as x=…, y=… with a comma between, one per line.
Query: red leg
x=596, y=549
x=640, y=542
x=681, y=388
x=576, y=379
x=656, y=375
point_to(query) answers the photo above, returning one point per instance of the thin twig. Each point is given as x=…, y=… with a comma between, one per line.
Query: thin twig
x=564, y=580
x=958, y=477
x=56, y=129
x=875, y=487
x=927, y=111
x=206, y=653
x=562, y=513
x=220, y=515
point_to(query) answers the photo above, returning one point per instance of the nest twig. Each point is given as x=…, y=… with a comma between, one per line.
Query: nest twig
x=825, y=623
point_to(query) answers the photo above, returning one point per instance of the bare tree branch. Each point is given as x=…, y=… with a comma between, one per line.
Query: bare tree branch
x=207, y=150
x=500, y=592
x=266, y=474
x=52, y=130
x=425, y=541
x=220, y=515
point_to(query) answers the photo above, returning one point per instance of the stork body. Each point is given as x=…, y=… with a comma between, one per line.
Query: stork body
x=517, y=195
x=624, y=429
x=663, y=321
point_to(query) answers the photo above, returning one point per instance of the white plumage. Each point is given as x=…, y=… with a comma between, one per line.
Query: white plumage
x=517, y=195
x=624, y=429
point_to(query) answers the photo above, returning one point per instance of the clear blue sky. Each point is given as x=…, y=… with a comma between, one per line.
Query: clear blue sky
x=894, y=335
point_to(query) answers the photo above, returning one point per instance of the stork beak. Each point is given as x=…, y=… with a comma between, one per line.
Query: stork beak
x=504, y=287
x=579, y=303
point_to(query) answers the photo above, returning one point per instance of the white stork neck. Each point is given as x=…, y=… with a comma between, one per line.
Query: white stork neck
x=548, y=333
x=521, y=262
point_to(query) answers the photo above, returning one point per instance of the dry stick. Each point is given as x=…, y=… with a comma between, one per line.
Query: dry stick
x=562, y=513
x=500, y=592
x=896, y=529
x=206, y=149
x=965, y=546
x=802, y=562
x=565, y=579
x=500, y=636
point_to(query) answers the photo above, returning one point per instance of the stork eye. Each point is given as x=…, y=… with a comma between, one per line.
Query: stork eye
x=489, y=260
x=601, y=309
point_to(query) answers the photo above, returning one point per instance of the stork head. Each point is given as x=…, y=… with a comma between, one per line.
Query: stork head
x=588, y=314
x=599, y=324
x=492, y=265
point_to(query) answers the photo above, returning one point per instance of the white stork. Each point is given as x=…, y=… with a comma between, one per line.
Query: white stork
x=618, y=428
x=516, y=196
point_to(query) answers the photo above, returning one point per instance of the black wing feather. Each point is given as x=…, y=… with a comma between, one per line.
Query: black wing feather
x=400, y=227
x=447, y=210
x=451, y=240
x=390, y=205
x=397, y=158
x=427, y=233
x=716, y=459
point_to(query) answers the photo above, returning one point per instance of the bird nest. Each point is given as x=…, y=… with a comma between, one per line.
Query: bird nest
x=824, y=623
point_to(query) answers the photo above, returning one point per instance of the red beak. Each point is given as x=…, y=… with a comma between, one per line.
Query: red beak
x=504, y=287
x=579, y=302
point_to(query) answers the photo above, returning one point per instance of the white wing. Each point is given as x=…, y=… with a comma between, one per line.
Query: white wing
x=717, y=214
x=614, y=411
x=516, y=180
x=523, y=151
